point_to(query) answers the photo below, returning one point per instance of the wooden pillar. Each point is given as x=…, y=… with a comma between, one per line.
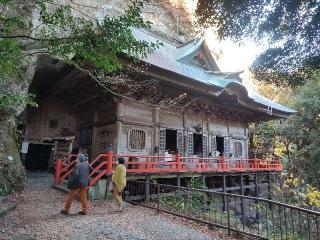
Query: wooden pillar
x=241, y=184
x=109, y=179
x=256, y=180
x=242, y=203
x=178, y=180
x=55, y=148
x=147, y=187
x=204, y=180
x=224, y=189
x=269, y=185
x=156, y=131
x=119, y=115
x=185, y=139
x=94, y=137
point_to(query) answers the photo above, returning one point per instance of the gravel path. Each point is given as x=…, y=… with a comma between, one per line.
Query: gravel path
x=37, y=217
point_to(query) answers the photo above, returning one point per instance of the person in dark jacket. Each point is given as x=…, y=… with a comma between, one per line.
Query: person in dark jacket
x=78, y=182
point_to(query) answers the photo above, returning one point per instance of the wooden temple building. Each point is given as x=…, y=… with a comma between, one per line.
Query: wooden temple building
x=184, y=107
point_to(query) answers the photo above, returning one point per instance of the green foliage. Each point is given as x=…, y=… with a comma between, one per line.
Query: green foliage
x=298, y=137
x=10, y=55
x=66, y=32
x=295, y=191
x=306, y=130
x=9, y=100
x=97, y=41
x=271, y=139
x=291, y=28
x=87, y=38
x=187, y=201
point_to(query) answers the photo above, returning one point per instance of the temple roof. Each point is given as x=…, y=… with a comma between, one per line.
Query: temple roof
x=183, y=60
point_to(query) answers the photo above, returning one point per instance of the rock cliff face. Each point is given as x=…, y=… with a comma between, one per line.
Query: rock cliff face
x=168, y=18
x=12, y=174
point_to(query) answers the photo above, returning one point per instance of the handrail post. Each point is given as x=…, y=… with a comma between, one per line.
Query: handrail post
x=255, y=162
x=223, y=162
x=109, y=163
x=178, y=162
x=279, y=164
x=148, y=167
x=58, y=172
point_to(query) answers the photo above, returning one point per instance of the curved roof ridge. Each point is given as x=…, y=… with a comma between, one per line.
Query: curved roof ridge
x=167, y=57
x=189, y=49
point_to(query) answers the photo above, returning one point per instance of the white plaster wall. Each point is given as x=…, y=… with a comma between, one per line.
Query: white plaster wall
x=218, y=128
x=135, y=114
x=191, y=121
x=167, y=120
x=237, y=130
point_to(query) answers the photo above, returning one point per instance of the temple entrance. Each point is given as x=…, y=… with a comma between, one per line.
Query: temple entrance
x=220, y=145
x=73, y=115
x=198, y=144
x=171, y=141
x=39, y=156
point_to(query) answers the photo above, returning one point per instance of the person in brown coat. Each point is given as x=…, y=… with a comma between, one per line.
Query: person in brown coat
x=77, y=183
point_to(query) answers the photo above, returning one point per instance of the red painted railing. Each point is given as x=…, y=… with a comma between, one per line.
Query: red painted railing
x=104, y=164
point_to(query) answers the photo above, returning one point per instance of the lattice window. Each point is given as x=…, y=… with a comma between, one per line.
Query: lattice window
x=180, y=141
x=162, y=141
x=205, y=145
x=237, y=149
x=226, y=147
x=136, y=139
x=213, y=145
x=190, y=144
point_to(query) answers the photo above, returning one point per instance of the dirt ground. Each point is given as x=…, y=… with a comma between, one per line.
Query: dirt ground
x=37, y=216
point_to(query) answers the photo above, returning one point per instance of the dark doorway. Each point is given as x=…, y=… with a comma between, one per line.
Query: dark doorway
x=38, y=156
x=197, y=144
x=220, y=145
x=171, y=140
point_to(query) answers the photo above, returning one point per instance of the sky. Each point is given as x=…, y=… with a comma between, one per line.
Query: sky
x=233, y=57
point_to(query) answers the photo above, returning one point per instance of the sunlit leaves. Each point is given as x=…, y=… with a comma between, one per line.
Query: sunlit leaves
x=290, y=28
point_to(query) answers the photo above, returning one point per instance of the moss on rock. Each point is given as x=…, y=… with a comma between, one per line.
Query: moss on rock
x=12, y=172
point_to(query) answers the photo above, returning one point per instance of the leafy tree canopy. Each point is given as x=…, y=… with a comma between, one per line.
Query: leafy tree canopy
x=291, y=28
x=298, y=137
x=68, y=31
